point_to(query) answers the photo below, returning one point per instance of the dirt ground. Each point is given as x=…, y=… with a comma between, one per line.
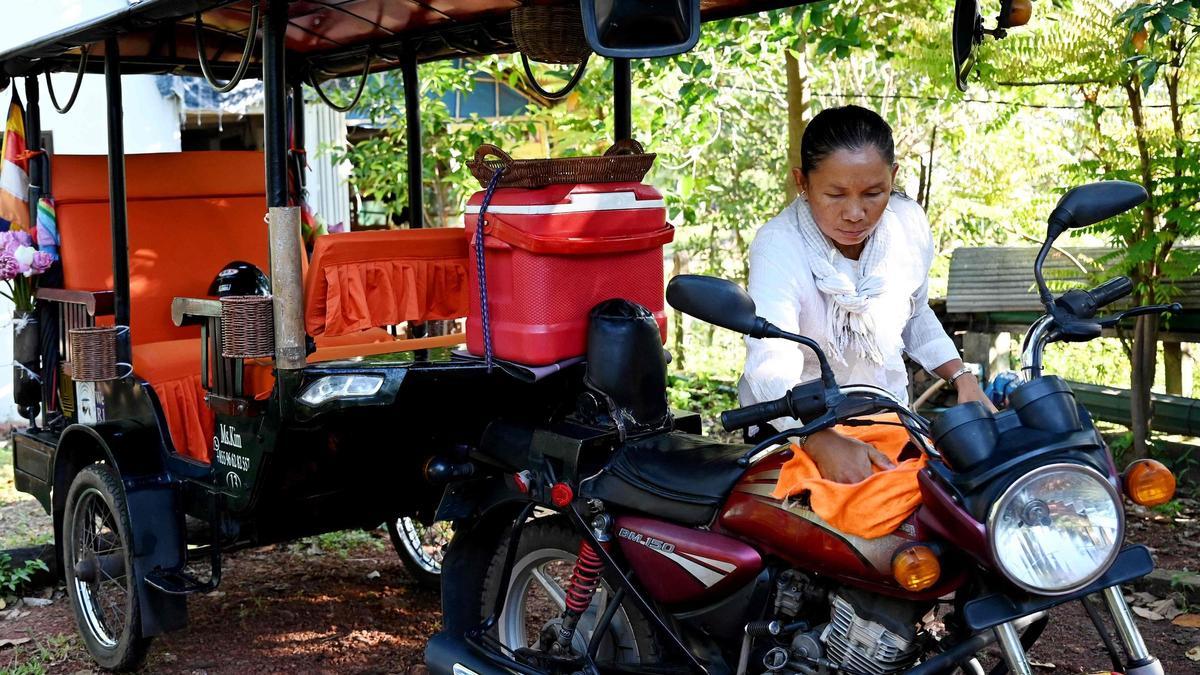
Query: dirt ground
x=342, y=603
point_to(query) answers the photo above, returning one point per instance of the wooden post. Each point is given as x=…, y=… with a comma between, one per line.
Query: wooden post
x=1178, y=367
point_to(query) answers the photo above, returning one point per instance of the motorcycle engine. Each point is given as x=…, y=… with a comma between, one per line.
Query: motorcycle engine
x=871, y=634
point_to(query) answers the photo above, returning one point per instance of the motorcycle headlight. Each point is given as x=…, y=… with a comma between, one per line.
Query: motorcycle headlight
x=1056, y=529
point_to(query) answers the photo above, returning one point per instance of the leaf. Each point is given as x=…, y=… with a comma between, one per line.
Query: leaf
x=13, y=642
x=1161, y=23
x=1187, y=620
x=1180, y=11
x=1147, y=614
x=1193, y=654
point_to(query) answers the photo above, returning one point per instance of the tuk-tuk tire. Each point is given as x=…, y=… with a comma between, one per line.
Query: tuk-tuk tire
x=424, y=577
x=131, y=647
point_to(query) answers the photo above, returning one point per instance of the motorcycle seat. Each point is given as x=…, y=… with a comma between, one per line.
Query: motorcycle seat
x=679, y=477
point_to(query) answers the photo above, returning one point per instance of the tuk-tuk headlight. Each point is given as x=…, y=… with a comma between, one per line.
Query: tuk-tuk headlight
x=333, y=387
x=1056, y=529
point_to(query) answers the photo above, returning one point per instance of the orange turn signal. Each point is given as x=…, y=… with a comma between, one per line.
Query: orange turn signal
x=916, y=568
x=1149, y=483
x=1019, y=13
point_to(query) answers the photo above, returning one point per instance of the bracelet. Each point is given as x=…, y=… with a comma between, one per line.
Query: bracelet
x=957, y=374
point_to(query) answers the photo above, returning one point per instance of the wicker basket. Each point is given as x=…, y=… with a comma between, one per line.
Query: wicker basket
x=94, y=353
x=550, y=34
x=247, y=327
x=624, y=162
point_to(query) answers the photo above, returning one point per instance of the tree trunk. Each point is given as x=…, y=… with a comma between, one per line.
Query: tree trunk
x=795, y=118
x=1145, y=353
x=677, y=267
x=1145, y=334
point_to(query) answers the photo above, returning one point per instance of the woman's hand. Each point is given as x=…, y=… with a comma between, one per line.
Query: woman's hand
x=969, y=390
x=842, y=459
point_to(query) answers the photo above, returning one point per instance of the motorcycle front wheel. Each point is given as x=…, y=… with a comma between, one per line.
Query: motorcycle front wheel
x=536, y=598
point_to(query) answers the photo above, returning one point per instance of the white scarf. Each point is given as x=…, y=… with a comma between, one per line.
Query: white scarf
x=851, y=317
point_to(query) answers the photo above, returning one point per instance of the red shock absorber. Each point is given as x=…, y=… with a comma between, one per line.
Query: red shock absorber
x=585, y=579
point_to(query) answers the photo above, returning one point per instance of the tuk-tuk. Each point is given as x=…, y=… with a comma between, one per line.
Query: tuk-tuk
x=207, y=383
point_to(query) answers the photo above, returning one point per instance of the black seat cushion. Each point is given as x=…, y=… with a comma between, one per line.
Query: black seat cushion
x=680, y=477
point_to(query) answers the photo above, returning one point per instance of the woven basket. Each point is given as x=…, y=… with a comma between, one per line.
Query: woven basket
x=247, y=327
x=550, y=34
x=94, y=353
x=624, y=162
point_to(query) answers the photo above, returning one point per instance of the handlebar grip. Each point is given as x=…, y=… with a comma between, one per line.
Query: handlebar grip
x=758, y=413
x=1111, y=291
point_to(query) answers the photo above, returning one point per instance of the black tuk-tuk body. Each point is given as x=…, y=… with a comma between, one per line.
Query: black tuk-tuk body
x=279, y=467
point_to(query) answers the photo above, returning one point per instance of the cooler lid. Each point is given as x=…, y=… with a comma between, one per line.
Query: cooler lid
x=570, y=198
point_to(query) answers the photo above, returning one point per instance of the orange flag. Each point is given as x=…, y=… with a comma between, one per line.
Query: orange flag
x=14, y=169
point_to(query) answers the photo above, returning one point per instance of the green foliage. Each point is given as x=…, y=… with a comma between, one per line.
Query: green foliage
x=14, y=578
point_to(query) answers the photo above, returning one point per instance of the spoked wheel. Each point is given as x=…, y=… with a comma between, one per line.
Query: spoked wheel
x=421, y=548
x=98, y=564
x=536, y=598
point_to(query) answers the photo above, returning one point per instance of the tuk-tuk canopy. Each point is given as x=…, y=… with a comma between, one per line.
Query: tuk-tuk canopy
x=324, y=38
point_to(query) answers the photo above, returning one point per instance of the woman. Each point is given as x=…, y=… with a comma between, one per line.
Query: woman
x=847, y=264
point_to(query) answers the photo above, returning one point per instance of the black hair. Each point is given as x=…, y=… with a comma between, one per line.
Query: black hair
x=849, y=127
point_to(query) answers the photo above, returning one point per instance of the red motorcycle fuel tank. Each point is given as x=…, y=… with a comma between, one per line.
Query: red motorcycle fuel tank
x=679, y=565
x=791, y=531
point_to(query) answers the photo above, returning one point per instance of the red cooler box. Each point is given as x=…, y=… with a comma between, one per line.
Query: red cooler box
x=553, y=253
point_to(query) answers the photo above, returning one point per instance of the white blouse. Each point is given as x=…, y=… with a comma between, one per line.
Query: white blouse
x=786, y=294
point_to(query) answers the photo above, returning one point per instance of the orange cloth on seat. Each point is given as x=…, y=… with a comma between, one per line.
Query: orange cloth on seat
x=871, y=508
x=361, y=280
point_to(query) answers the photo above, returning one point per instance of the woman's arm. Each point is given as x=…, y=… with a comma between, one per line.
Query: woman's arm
x=774, y=366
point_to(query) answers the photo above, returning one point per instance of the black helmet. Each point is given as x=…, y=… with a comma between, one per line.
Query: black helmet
x=240, y=278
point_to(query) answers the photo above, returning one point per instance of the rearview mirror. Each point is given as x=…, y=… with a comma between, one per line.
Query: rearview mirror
x=1089, y=204
x=716, y=301
x=966, y=34
x=641, y=29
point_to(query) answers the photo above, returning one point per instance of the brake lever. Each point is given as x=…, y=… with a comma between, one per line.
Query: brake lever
x=1111, y=321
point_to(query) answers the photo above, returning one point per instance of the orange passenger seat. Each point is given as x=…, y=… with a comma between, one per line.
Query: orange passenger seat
x=191, y=213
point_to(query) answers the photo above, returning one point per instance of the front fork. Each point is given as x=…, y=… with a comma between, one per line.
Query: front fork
x=1140, y=662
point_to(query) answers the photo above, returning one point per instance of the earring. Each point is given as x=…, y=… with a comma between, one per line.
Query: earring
x=804, y=195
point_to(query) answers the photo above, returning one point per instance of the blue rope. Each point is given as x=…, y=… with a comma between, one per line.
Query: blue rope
x=481, y=268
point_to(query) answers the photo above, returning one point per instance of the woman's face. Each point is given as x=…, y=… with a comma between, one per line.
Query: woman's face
x=847, y=192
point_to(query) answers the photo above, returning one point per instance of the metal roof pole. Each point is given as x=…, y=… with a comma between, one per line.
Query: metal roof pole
x=412, y=123
x=116, y=194
x=622, y=99
x=33, y=142
x=284, y=221
x=412, y=129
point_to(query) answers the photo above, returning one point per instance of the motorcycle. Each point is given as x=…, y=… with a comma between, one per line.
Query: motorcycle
x=582, y=546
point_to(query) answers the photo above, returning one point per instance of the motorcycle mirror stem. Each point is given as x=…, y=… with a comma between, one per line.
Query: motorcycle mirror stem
x=726, y=304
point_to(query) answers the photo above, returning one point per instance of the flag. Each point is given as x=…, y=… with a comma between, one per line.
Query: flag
x=47, y=227
x=14, y=169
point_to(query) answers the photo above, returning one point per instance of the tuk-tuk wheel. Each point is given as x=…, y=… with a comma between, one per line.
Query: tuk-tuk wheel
x=421, y=548
x=98, y=564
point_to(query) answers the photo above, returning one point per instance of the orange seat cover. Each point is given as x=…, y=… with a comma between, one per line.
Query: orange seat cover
x=189, y=214
x=872, y=508
x=360, y=280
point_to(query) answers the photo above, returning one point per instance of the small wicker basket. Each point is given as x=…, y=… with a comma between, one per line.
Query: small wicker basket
x=247, y=327
x=94, y=353
x=625, y=162
x=550, y=33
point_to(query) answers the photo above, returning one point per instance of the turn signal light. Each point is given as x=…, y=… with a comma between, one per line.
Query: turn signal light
x=561, y=495
x=1015, y=13
x=916, y=568
x=1149, y=483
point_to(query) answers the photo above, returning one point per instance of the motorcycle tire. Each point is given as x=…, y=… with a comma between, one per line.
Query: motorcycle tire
x=545, y=556
x=97, y=560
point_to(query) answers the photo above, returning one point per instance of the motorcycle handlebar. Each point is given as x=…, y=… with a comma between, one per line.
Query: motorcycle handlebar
x=758, y=413
x=1111, y=291
x=806, y=400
